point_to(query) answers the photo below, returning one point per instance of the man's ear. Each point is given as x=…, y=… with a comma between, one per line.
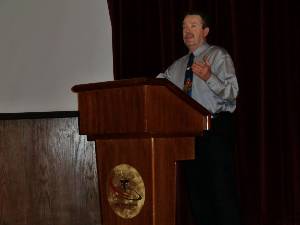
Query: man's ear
x=206, y=31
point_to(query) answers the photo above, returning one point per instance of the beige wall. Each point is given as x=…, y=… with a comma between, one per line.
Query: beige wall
x=47, y=46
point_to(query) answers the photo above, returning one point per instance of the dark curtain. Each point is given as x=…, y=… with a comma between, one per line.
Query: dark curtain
x=263, y=38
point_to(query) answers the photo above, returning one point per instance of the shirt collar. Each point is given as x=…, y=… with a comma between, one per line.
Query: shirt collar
x=201, y=49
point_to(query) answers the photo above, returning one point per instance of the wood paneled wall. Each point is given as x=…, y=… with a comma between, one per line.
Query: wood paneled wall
x=48, y=173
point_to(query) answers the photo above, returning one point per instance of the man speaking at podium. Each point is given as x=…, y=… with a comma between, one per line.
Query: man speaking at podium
x=207, y=74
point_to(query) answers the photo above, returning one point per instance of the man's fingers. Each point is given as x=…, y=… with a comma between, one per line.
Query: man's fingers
x=206, y=61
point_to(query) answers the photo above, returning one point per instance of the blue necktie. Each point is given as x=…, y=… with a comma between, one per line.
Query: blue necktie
x=188, y=80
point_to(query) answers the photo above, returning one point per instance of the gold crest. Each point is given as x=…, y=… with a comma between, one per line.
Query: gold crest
x=125, y=191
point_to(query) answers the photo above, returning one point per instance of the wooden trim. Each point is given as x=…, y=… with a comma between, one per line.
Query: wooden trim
x=38, y=115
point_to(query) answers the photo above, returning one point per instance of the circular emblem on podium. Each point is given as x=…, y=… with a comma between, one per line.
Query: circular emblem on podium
x=125, y=191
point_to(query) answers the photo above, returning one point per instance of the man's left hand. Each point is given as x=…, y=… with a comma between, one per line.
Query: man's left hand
x=202, y=70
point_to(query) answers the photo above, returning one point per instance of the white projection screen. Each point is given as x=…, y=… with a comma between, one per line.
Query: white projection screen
x=48, y=46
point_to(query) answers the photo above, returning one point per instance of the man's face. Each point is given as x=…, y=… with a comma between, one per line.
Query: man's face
x=193, y=33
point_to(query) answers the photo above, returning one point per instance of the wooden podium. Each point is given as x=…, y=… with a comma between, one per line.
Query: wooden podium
x=141, y=128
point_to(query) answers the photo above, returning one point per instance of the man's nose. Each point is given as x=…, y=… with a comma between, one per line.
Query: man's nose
x=186, y=30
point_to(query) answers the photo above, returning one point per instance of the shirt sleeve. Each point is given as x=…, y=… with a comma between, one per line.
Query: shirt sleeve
x=169, y=72
x=223, y=81
x=161, y=75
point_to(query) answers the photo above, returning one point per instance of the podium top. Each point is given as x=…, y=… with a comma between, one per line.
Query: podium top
x=138, y=107
x=138, y=82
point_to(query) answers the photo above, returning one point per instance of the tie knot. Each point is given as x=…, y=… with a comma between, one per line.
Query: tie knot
x=191, y=59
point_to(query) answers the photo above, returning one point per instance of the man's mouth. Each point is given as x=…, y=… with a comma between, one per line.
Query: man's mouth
x=188, y=36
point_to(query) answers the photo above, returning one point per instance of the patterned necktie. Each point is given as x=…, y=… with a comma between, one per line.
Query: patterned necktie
x=188, y=80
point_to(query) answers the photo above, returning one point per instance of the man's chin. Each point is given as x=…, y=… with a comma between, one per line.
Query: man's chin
x=189, y=44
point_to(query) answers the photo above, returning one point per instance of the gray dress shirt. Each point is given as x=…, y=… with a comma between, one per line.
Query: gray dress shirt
x=219, y=92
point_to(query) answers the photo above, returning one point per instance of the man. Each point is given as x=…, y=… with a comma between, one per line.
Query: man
x=207, y=74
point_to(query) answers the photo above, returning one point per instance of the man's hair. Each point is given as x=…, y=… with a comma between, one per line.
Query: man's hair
x=203, y=15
